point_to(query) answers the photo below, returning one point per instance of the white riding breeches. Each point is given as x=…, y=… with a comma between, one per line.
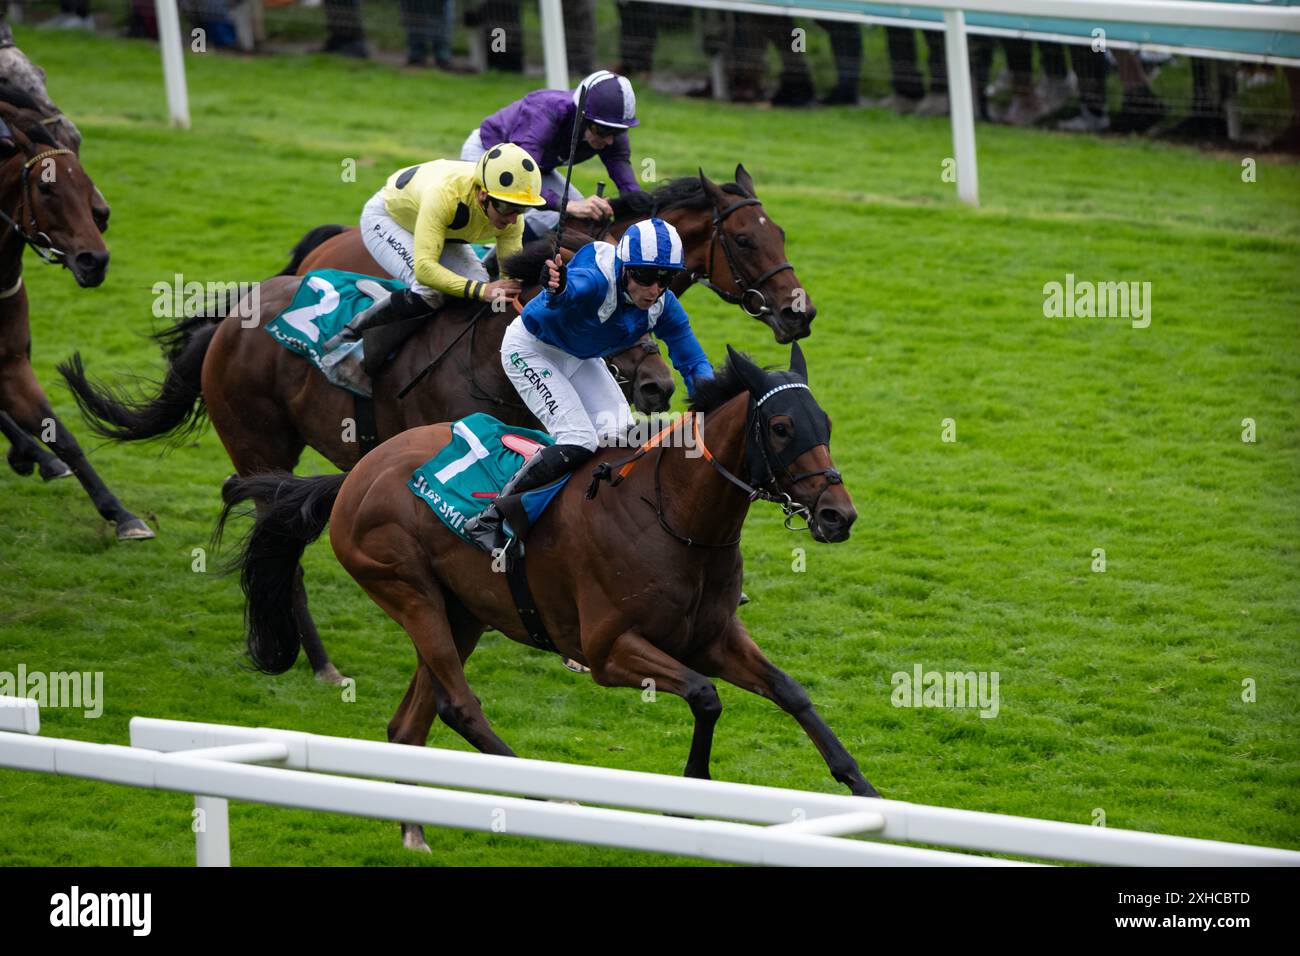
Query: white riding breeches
x=576, y=400
x=538, y=220
x=394, y=248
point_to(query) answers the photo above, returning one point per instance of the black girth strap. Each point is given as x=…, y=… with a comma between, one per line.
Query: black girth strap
x=367, y=430
x=517, y=577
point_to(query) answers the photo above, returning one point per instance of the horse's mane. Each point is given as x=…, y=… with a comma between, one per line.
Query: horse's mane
x=526, y=264
x=687, y=191
x=712, y=394
x=25, y=118
x=19, y=98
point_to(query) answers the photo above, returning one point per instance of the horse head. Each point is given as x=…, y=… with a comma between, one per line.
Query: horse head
x=48, y=199
x=787, y=446
x=745, y=260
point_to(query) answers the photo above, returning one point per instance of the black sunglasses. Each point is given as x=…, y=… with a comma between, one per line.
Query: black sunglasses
x=505, y=208
x=650, y=275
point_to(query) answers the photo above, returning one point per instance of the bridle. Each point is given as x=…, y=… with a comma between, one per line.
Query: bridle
x=648, y=347
x=756, y=438
x=40, y=242
x=752, y=290
x=768, y=488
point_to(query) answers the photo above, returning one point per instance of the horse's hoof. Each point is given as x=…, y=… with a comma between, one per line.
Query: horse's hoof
x=133, y=529
x=23, y=466
x=574, y=666
x=329, y=674
x=54, y=470
x=413, y=838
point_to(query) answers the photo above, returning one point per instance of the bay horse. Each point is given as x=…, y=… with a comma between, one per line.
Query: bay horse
x=22, y=84
x=636, y=593
x=48, y=203
x=720, y=226
x=267, y=403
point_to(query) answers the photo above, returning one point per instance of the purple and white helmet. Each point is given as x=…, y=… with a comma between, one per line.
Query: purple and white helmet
x=610, y=100
x=651, y=242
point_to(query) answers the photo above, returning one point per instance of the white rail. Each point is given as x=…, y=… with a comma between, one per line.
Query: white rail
x=778, y=826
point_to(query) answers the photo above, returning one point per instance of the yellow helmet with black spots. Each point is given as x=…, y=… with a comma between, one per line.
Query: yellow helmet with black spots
x=508, y=173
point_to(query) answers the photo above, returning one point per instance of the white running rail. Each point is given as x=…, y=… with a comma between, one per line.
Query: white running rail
x=218, y=763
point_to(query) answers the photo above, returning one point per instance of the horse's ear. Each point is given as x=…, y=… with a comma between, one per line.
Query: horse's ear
x=798, y=364
x=712, y=190
x=755, y=378
x=745, y=181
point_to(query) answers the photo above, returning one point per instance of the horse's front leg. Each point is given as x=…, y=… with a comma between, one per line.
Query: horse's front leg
x=630, y=660
x=737, y=660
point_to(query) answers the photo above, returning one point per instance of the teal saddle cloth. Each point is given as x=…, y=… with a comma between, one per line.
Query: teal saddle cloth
x=484, y=454
x=327, y=300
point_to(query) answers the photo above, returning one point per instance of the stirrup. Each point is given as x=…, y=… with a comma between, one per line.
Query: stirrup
x=487, y=530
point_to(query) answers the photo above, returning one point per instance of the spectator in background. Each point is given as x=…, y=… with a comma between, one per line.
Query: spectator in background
x=429, y=28
x=505, y=49
x=846, y=48
x=638, y=34
x=905, y=76
x=579, y=34
x=1289, y=138
x=1141, y=108
x=344, y=33
x=1027, y=107
x=73, y=15
x=1213, y=81
x=751, y=35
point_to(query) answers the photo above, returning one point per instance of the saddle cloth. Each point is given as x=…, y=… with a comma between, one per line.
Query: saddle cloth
x=482, y=456
x=327, y=300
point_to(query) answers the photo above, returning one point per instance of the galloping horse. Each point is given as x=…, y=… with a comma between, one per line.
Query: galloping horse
x=633, y=592
x=47, y=202
x=268, y=404
x=713, y=220
x=22, y=84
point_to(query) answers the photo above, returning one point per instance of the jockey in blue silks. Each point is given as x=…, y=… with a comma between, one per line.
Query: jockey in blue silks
x=602, y=303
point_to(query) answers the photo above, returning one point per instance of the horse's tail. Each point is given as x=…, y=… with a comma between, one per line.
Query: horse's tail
x=177, y=409
x=292, y=513
x=306, y=244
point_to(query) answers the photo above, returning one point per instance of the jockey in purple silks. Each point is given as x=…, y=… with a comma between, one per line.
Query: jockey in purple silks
x=542, y=123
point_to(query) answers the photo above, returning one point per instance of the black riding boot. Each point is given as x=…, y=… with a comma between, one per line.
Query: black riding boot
x=549, y=464
x=402, y=304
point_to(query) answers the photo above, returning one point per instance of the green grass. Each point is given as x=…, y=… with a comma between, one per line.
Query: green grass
x=1120, y=691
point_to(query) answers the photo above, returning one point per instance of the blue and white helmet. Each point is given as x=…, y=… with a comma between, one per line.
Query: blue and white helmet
x=610, y=100
x=651, y=242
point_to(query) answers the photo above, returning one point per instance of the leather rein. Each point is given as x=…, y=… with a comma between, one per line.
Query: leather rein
x=768, y=490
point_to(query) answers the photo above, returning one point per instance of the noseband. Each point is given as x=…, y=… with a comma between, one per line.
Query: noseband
x=751, y=299
x=40, y=243
x=767, y=490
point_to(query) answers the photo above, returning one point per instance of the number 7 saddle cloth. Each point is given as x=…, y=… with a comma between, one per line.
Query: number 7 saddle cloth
x=483, y=455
